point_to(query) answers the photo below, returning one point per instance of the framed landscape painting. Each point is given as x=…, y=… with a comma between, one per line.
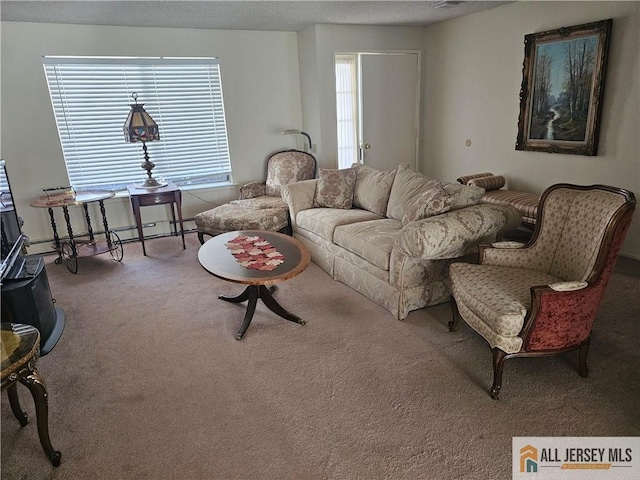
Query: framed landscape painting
x=562, y=85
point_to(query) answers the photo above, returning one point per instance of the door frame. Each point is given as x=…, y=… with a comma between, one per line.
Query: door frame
x=418, y=94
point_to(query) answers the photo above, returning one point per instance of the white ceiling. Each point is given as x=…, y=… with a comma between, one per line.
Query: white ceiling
x=238, y=14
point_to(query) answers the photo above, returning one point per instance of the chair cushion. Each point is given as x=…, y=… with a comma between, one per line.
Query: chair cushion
x=500, y=296
x=228, y=218
x=372, y=189
x=372, y=240
x=335, y=188
x=259, y=203
x=323, y=221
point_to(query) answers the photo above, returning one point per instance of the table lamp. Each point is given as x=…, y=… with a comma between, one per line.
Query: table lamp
x=140, y=127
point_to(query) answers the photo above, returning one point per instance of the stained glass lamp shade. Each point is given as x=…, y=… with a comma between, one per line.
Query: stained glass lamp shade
x=140, y=127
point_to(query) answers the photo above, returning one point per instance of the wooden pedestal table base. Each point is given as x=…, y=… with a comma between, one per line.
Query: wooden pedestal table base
x=218, y=260
x=253, y=293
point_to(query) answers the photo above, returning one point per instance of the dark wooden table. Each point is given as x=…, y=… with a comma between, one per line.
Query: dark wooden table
x=20, y=350
x=143, y=197
x=218, y=260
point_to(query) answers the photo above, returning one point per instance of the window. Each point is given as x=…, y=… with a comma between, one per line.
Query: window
x=346, y=108
x=91, y=97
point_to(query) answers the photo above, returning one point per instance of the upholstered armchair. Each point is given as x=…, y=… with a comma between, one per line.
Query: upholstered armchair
x=542, y=298
x=260, y=206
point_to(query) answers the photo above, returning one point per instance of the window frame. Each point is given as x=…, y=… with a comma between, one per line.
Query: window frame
x=182, y=94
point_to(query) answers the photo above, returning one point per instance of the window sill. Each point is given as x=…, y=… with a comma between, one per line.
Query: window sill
x=200, y=186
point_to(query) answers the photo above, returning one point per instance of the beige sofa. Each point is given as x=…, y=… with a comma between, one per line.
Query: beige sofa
x=366, y=229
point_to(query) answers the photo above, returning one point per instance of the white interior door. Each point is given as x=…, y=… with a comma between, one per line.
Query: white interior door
x=389, y=109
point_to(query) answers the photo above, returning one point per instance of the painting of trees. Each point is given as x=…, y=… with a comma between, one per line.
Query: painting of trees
x=543, y=85
x=562, y=88
x=578, y=64
x=563, y=81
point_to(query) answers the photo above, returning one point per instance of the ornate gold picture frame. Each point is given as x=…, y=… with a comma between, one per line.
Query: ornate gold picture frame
x=562, y=85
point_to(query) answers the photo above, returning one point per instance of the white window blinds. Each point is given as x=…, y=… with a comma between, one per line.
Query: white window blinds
x=91, y=97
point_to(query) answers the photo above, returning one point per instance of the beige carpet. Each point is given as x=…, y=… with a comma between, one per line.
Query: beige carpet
x=148, y=382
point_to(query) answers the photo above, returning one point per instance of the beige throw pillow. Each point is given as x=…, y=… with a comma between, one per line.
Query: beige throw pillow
x=373, y=188
x=335, y=188
x=431, y=202
x=464, y=195
x=408, y=185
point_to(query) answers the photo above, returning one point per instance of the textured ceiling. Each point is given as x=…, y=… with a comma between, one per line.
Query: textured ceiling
x=237, y=14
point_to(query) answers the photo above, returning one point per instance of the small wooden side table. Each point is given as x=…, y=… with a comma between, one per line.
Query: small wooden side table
x=20, y=350
x=143, y=197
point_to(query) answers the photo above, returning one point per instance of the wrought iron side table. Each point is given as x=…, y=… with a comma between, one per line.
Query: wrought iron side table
x=69, y=251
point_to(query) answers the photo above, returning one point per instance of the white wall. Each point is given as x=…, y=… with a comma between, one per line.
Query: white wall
x=261, y=93
x=279, y=80
x=473, y=74
x=317, y=45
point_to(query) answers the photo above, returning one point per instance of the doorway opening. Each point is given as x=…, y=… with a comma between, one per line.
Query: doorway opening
x=377, y=108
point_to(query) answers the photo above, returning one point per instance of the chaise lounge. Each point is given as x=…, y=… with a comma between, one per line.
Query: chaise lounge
x=260, y=206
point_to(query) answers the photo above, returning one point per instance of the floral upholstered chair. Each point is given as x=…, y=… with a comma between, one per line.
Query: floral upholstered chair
x=260, y=206
x=542, y=298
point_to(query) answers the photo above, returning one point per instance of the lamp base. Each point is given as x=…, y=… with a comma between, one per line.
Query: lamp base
x=151, y=184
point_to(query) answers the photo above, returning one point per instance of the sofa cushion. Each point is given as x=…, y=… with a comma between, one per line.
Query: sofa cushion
x=407, y=186
x=372, y=189
x=323, y=221
x=464, y=195
x=335, y=188
x=429, y=203
x=372, y=240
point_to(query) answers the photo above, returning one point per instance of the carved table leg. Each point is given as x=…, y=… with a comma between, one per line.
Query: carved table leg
x=87, y=219
x=12, y=393
x=275, y=307
x=253, y=293
x=584, y=351
x=251, y=308
x=35, y=383
x=240, y=298
x=453, y=323
x=56, y=237
x=498, y=363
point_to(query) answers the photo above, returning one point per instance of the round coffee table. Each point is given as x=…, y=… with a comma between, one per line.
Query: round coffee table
x=217, y=258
